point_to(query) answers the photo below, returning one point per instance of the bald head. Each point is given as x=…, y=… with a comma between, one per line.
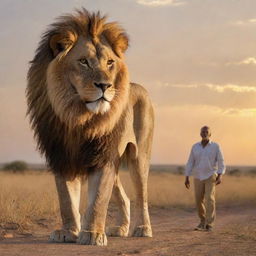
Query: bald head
x=205, y=132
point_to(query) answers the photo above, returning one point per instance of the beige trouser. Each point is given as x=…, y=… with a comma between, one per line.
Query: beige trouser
x=205, y=199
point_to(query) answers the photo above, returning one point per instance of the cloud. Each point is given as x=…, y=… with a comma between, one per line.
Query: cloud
x=230, y=87
x=156, y=3
x=215, y=87
x=251, y=21
x=229, y=96
x=247, y=61
x=245, y=112
x=250, y=60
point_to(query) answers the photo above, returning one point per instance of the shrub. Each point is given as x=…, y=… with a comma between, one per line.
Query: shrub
x=252, y=172
x=16, y=166
x=235, y=172
x=180, y=170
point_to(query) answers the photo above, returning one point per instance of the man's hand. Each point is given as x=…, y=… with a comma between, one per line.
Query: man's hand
x=187, y=183
x=218, y=179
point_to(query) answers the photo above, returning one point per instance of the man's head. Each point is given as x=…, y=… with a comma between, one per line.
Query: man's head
x=205, y=132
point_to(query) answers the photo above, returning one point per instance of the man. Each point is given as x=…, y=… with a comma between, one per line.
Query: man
x=207, y=163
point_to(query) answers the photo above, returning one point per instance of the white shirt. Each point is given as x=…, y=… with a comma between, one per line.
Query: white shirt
x=205, y=161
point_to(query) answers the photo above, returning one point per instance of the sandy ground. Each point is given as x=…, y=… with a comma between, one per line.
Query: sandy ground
x=234, y=234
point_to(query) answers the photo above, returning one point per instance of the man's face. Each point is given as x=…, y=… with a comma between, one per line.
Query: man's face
x=205, y=133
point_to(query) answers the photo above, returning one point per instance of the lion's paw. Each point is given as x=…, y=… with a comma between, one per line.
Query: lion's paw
x=121, y=231
x=142, y=231
x=63, y=236
x=92, y=238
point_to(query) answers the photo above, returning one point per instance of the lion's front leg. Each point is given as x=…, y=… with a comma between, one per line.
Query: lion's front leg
x=100, y=184
x=69, y=200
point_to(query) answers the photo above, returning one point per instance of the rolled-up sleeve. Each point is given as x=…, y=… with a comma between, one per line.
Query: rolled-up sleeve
x=190, y=164
x=220, y=161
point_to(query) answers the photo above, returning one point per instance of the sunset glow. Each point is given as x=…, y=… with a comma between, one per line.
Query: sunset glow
x=196, y=58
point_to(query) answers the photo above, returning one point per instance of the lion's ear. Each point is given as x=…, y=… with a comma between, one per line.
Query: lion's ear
x=121, y=44
x=117, y=39
x=60, y=42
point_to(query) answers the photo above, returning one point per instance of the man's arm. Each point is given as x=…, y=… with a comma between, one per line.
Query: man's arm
x=221, y=166
x=189, y=167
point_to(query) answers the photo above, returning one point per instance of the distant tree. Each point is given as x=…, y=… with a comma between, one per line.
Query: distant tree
x=252, y=172
x=180, y=170
x=16, y=166
x=234, y=172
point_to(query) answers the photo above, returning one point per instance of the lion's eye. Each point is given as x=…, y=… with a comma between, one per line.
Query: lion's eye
x=84, y=62
x=110, y=62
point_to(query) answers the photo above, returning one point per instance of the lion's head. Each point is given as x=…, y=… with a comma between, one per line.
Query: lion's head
x=79, y=71
x=77, y=92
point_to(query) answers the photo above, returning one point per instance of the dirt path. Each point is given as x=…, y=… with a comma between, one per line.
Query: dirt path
x=234, y=234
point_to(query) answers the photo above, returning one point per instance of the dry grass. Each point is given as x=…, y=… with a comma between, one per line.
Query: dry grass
x=31, y=196
x=169, y=190
x=26, y=197
x=163, y=189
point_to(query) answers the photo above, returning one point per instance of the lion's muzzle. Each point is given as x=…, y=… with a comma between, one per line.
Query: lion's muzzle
x=103, y=86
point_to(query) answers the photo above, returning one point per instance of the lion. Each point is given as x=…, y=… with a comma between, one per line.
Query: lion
x=87, y=117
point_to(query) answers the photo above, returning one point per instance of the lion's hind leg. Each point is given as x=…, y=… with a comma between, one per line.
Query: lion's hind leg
x=139, y=168
x=123, y=202
x=69, y=200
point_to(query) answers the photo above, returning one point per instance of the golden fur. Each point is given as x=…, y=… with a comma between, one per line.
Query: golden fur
x=56, y=96
x=86, y=115
x=65, y=33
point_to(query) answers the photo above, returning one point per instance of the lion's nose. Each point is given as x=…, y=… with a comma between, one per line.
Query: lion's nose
x=103, y=86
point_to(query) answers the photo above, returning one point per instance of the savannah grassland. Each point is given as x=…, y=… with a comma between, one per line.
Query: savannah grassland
x=29, y=210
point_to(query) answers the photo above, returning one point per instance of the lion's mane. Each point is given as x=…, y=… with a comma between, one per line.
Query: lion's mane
x=75, y=140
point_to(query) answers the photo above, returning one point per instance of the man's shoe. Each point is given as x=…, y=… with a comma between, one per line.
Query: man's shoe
x=200, y=227
x=208, y=228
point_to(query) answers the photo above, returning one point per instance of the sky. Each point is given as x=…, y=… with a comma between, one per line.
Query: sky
x=196, y=58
